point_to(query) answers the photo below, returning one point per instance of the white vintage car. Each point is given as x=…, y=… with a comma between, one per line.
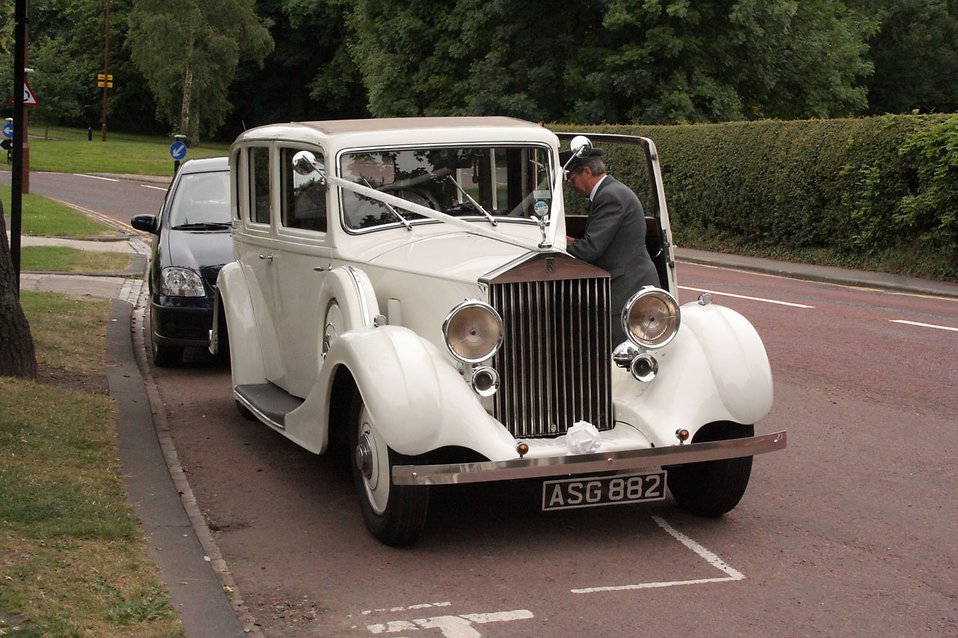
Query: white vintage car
x=401, y=288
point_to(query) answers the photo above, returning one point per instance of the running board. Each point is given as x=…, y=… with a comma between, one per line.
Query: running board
x=268, y=402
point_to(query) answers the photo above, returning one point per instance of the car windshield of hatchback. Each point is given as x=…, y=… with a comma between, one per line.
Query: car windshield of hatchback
x=487, y=183
x=201, y=202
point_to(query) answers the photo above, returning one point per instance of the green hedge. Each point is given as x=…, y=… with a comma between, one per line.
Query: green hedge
x=873, y=193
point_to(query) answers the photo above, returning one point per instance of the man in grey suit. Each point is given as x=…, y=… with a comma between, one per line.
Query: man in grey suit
x=614, y=238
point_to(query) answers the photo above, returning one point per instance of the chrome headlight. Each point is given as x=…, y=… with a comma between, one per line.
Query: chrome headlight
x=181, y=282
x=473, y=331
x=651, y=318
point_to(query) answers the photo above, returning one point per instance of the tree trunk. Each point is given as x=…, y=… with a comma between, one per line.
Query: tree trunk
x=17, y=358
x=185, y=115
x=185, y=107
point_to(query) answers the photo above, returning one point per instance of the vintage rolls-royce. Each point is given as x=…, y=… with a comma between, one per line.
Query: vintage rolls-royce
x=401, y=291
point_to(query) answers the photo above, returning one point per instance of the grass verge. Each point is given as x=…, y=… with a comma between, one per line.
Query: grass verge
x=67, y=150
x=62, y=259
x=73, y=559
x=42, y=217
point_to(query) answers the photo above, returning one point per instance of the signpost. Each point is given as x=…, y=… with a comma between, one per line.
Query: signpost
x=178, y=151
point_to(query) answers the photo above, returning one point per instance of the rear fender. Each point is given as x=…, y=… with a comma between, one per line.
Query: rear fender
x=233, y=299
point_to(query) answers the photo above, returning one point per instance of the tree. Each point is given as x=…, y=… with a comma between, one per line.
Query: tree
x=308, y=76
x=916, y=57
x=189, y=51
x=655, y=61
x=17, y=357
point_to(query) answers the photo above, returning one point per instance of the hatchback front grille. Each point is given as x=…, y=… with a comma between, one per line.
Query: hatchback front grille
x=555, y=361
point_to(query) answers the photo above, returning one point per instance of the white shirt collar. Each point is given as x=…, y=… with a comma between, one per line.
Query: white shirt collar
x=596, y=187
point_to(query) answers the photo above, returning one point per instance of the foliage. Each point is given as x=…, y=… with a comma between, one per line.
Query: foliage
x=930, y=212
x=868, y=193
x=651, y=61
x=616, y=61
x=916, y=56
x=189, y=50
x=310, y=74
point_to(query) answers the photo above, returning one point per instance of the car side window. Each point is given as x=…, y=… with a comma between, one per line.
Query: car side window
x=304, y=196
x=258, y=158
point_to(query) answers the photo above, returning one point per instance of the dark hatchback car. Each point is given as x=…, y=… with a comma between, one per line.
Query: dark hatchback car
x=191, y=245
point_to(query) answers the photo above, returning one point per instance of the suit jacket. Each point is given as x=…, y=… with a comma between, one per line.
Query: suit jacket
x=614, y=240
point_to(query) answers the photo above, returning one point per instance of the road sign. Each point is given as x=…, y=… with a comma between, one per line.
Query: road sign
x=178, y=150
x=8, y=131
x=29, y=99
x=104, y=80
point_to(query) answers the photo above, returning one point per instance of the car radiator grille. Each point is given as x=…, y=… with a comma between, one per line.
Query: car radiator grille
x=555, y=361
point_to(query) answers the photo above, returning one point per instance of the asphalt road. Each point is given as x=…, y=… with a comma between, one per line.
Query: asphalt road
x=119, y=198
x=849, y=532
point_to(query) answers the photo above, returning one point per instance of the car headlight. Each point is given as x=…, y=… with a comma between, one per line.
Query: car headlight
x=651, y=318
x=473, y=331
x=181, y=282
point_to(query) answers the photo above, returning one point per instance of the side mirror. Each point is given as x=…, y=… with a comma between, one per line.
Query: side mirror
x=581, y=146
x=305, y=163
x=146, y=223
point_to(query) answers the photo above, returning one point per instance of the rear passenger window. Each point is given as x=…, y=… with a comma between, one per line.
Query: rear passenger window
x=259, y=184
x=304, y=196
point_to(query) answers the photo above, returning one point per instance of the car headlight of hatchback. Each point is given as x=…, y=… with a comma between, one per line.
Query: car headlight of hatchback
x=651, y=318
x=473, y=331
x=181, y=282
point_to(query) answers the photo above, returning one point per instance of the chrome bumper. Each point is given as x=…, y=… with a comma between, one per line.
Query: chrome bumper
x=586, y=463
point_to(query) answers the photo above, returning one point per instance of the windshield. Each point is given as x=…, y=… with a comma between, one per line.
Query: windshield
x=485, y=182
x=201, y=199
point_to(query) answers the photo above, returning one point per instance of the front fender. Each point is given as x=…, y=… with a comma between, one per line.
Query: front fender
x=716, y=369
x=415, y=396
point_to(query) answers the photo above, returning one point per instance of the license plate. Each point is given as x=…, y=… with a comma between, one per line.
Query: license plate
x=605, y=490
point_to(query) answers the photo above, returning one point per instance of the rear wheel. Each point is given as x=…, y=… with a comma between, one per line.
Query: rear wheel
x=394, y=514
x=713, y=488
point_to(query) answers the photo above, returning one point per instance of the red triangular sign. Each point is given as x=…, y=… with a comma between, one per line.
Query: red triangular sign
x=29, y=99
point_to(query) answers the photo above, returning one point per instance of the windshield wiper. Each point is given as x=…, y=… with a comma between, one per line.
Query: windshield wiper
x=492, y=220
x=405, y=222
x=204, y=226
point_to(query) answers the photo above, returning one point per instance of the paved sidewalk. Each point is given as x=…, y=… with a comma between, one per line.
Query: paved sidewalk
x=827, y=274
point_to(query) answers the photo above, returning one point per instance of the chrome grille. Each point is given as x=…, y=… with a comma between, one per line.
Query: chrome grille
x=555, y=360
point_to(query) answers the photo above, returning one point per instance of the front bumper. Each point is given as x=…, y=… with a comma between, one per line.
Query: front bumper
x=577, y=464
x=186, y=324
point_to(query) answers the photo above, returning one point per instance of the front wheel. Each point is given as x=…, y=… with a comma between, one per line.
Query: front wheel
x=394, y=514
x=712, y=488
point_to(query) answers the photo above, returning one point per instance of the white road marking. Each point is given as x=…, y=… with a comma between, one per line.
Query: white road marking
x=158, y=188
x=923, y=325
x=450, y=626
x=728, y=294
x=105, y=179
x=712, y=559
x=407, y=607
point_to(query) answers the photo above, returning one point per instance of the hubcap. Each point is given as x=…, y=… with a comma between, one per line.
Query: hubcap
x=364, y=457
